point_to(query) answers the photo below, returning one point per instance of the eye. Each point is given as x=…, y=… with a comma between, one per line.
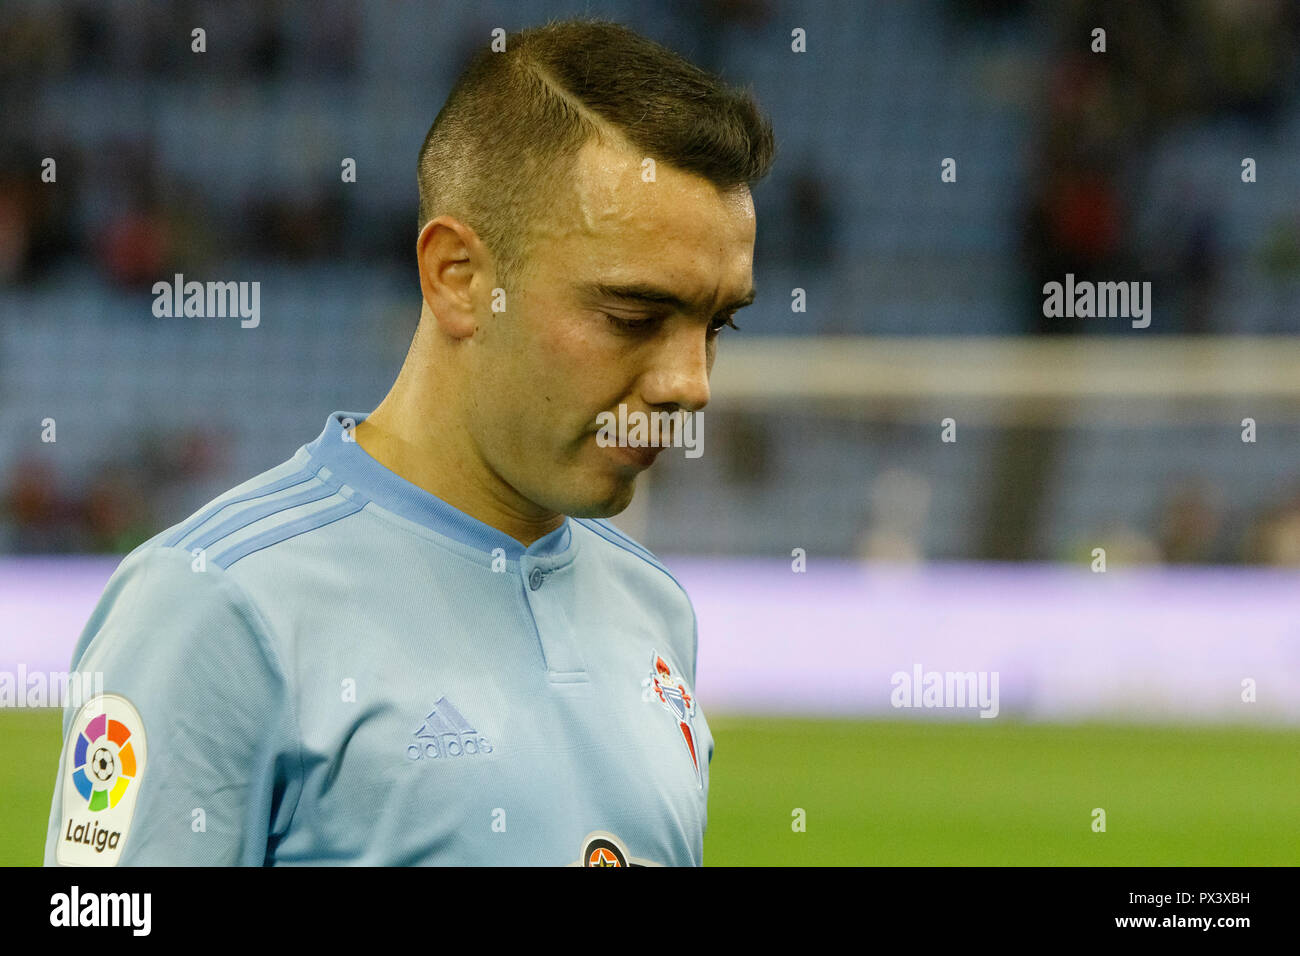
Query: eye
x=721, y=322
x=633, y=326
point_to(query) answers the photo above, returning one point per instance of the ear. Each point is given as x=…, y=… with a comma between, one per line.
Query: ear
x=451, y=257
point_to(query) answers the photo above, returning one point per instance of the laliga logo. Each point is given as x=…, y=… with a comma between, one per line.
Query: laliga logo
x=104, y=763
x=677, y=700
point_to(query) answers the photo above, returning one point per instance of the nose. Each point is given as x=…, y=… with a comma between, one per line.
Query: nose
x=680, y=376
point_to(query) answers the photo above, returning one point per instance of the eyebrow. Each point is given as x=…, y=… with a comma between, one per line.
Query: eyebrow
x=648, y=294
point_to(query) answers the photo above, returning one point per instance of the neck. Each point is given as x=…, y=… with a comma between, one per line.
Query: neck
x=417, y=434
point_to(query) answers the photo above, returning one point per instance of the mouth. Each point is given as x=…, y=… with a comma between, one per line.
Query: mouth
x=637, y=457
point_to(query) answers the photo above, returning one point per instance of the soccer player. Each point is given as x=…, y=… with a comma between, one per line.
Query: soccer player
x=415, y=641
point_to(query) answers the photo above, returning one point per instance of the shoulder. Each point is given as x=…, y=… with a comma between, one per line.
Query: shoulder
x=292, y=499
x=648, y=579
x=180, y=586
x=615, y=538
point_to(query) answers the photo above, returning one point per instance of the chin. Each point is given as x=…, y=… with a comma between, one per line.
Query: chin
x=605, y=506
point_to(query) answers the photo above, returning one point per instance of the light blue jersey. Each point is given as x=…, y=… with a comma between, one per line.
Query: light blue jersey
x=329, y=665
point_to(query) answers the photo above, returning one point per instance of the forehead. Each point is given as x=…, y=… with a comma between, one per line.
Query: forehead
x=678, y=229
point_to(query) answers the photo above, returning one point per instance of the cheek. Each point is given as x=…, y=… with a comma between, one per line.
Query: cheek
x=583, y=364
x=575, y=340
x=539, y=406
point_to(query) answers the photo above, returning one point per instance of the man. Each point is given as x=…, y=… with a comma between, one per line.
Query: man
x=413, y=642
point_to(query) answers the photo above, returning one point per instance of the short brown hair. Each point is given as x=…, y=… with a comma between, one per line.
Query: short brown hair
x=500, y=150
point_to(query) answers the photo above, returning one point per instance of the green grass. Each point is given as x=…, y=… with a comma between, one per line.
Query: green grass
x=30, y=741
x=911, y=793
x=1000, y=793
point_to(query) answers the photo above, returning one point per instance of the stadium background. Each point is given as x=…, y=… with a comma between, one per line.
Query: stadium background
x=1119, y=690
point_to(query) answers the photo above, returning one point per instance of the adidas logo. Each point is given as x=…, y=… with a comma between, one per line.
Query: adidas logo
x=446, y=733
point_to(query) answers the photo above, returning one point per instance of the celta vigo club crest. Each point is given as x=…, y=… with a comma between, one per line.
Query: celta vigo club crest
x=671, y=691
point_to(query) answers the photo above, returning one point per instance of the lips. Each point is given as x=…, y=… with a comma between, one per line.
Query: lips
x=641, y=457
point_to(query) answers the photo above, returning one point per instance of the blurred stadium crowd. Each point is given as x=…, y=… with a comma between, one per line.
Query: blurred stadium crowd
x=226, y=165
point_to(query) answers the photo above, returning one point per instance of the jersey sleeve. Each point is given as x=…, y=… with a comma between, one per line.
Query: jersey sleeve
x=189, y=756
